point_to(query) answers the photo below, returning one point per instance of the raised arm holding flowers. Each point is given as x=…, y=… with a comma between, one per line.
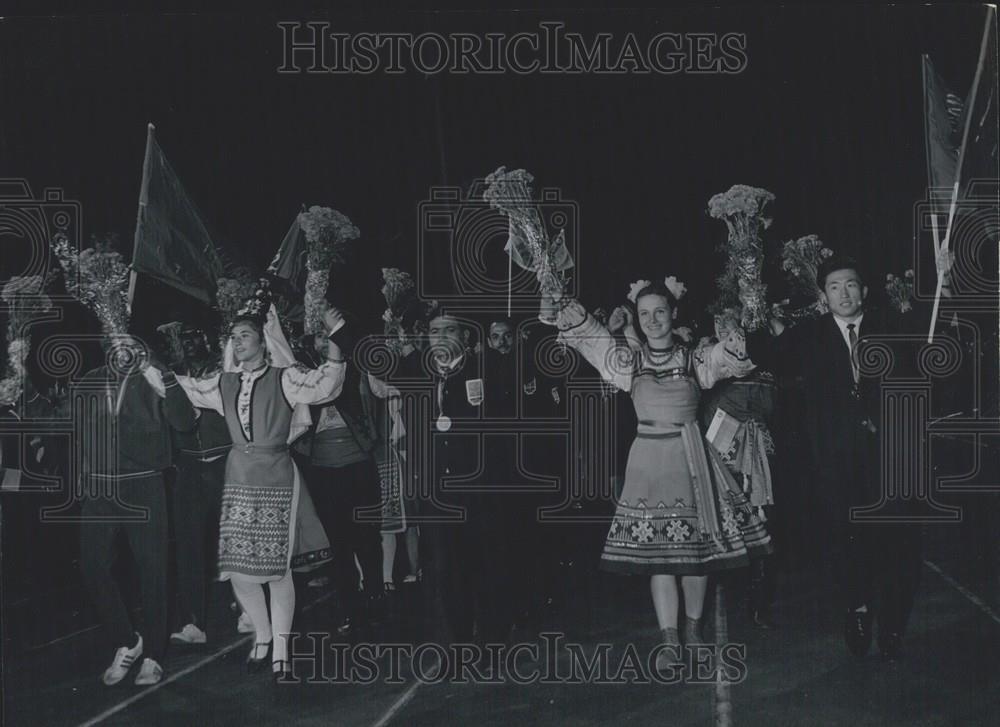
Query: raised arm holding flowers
x=529, y=244
x=328, y=233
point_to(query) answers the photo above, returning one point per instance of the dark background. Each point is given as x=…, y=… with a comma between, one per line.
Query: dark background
x=827, y=116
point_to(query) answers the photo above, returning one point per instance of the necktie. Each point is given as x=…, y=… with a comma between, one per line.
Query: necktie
x=852, y=337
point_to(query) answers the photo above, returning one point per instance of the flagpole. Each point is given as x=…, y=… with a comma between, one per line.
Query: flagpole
x=143, y=200
x=927, y=137
x=943, y=249
x=970, y=105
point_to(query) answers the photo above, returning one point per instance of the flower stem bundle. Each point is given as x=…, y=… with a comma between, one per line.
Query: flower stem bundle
x=327, y=234
x=98, y=278
x=24, y=298
x=742, y=209
x=510, y=193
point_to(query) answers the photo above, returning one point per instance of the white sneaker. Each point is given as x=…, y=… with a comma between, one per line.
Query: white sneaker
x=190, y=634
x=124, y=659
x=150, y=673
x=245, y=625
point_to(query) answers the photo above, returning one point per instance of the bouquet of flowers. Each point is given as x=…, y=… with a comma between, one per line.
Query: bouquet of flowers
x=800, y=259
x=742, y=208
x=12, y=384
x=900, y=291
x=232, y=293
x=402, y=303
x=529, y=245
x=24, y=298
x=398, y=291
x=327, y=234
x=98, y=278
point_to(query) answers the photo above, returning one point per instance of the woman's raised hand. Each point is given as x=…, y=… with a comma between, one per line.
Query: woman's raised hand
x=621, y=317
x=332, y=319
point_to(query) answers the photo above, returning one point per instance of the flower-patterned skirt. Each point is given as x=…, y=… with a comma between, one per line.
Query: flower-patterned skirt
x=680, y=512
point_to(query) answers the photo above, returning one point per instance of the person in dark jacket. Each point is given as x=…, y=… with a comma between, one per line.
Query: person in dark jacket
x=197, y=494
x=343, y=480
x=876, y=561
x=125, y=448
x=513, y=529
x=460, y=586
x=737, y=415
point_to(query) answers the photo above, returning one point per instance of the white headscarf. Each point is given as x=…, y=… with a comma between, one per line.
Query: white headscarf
x=281, y=357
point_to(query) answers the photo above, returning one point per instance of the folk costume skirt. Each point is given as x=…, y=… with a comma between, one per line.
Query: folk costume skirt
x=681, y=512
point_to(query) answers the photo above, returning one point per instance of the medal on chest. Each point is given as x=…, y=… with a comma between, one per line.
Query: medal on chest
x=474, y=391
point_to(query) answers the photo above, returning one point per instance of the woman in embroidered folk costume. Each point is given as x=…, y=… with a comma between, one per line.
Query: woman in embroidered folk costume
x=681, y=515
x=268, y=525
x=736, y=414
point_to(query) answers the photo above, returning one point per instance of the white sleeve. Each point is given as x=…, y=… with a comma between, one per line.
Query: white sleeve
x=313, y=386
x=203, y=393
x=381, y=389
x=614, y=362
x=714, y=362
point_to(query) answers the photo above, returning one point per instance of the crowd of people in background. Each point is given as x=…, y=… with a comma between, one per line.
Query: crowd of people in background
x=267, y=459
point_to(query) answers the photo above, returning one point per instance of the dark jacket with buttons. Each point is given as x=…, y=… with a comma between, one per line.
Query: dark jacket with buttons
x=455, y=453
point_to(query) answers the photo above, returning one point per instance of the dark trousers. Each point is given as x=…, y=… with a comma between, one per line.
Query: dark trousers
x=195, y=502
x=104, y=519
x=337, y=492
x=475, y=575
x=876, y=564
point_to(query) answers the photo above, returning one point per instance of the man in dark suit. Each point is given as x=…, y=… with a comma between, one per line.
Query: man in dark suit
x=456, y=522
x=876, y=563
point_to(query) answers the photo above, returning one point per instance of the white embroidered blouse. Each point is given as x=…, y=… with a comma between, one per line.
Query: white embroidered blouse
x=618, y=363
x=300, y=385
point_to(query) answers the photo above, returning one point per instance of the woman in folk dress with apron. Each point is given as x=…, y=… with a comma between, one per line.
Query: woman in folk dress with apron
x=681, y=515
x=268, y=525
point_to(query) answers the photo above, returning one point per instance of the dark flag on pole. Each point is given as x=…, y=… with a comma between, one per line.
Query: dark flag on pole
x=978, y=159
x=171, y=242
x=970, y=165
x=287, y=271
x=943, y=116
x=289, y=263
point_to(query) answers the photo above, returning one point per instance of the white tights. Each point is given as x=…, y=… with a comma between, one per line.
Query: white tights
x=251, y=598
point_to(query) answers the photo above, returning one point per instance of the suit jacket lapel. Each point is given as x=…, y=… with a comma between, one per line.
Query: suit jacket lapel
x=841, y=353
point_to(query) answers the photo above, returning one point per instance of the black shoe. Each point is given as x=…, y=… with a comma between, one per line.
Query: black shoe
x=281, y=671
x=256, y=665
x=858, y=632
x=890, y=643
